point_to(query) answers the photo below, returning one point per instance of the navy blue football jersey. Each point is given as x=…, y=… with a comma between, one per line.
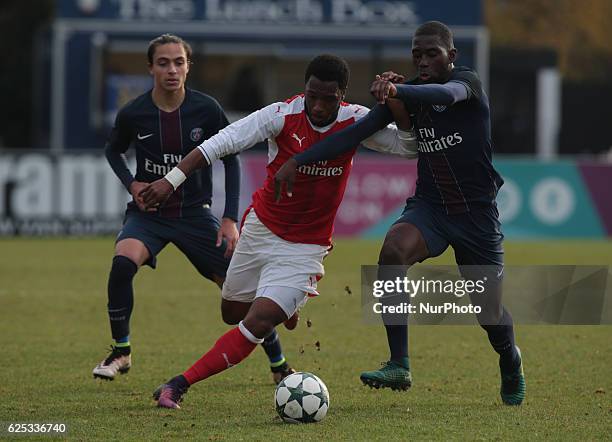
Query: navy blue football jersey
x=161, y=139
x=455, y=169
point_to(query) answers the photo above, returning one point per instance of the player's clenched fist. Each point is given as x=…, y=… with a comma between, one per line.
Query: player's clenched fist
x=383, y=86
x=382, y=89
x=156, y=193
x=392, y=77
x=136, y=189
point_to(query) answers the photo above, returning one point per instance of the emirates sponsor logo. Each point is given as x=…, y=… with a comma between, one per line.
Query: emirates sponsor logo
x=429, y=142
x=320, y=169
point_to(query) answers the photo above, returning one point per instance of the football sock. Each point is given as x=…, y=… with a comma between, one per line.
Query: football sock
x=273, y=349
x=123, y=342
x=121, y=295
x=397, y=336
x=501, y=337
x=229, y=350
x=395, y=325
x=123, y=345
x=179, y=382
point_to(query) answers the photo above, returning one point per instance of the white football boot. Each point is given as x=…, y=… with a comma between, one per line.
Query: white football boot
x=115, y=363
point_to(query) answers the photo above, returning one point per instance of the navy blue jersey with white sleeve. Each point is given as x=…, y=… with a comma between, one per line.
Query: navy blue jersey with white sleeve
x=455, y=170
x=161, y=139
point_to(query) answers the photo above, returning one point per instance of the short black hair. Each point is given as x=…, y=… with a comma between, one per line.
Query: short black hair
x=329, y=67
x=165, y=39
x=439, y=29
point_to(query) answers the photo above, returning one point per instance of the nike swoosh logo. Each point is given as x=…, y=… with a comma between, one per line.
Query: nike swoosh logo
x=143, y=137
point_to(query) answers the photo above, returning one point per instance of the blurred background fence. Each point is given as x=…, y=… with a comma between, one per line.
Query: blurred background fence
x=69, y=65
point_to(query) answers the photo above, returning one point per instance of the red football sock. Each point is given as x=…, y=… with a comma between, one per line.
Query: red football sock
x=229, y=350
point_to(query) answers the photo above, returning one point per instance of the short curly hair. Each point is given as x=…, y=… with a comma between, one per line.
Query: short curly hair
x=329, y=67
x=439, y=29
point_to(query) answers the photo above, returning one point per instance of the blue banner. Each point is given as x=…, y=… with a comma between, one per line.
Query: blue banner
x=341, y=12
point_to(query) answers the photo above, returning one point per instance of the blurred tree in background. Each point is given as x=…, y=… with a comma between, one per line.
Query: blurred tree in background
x=20, y=21
x=578, y=30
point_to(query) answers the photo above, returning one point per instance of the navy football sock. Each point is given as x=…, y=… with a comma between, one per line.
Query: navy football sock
x=121, y=296
x=273, y=349
x=396, y=325
x=397, y=336
x=501, y=337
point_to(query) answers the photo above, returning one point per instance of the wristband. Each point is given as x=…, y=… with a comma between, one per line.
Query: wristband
x=176, y=177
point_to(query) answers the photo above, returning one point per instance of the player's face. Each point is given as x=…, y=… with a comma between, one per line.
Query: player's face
x=432, y=59
x=170, y=67
x=322, y=99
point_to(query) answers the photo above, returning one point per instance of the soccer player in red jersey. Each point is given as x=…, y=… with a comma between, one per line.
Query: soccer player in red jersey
x=278, y=258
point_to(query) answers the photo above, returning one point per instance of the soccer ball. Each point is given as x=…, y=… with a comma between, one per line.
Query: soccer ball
x=301, y=398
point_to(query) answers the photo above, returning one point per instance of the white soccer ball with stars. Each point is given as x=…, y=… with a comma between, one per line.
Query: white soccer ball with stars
x=301, y=398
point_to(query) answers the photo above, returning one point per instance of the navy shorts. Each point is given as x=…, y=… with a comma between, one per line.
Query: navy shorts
x=195, y=236
x=475, y=236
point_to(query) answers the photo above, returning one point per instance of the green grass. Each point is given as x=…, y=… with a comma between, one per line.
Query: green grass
x=53, y=330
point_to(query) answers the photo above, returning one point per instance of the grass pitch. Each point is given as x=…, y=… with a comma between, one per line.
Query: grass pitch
x=54, y=329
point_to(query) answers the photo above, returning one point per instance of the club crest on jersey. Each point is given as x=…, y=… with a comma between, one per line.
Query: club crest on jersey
x=439, y=107
x=196, y=133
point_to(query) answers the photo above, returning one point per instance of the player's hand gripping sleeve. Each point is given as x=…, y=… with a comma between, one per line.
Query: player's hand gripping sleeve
x=346, y=139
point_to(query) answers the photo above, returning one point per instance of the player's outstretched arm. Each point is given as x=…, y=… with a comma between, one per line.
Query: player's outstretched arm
x=238, y=136
x=396, y=139
x=332, y=146
x=438, y=94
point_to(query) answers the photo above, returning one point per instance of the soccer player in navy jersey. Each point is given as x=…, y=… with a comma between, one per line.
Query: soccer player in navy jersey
x=162, y=126
x=454, y=203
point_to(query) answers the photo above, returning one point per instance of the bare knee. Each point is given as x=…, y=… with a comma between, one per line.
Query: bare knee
x=133, y=249
x=403, y=245
x=264, y=315
x=392, y=254
x=233, y=312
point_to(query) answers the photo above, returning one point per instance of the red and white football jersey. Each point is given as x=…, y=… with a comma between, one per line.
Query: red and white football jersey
x=308, y=216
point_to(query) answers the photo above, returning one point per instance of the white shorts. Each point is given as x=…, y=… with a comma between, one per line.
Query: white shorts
x=265, y=265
